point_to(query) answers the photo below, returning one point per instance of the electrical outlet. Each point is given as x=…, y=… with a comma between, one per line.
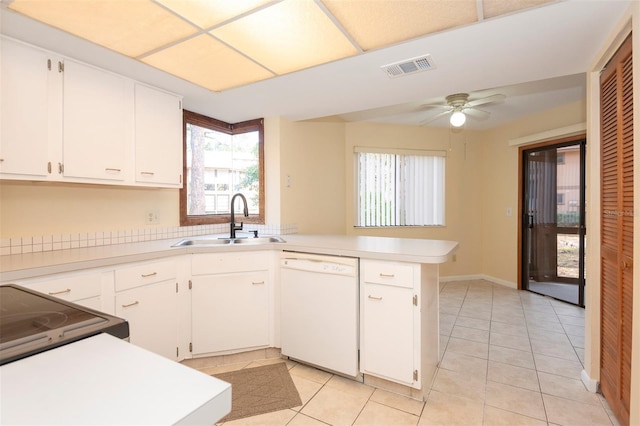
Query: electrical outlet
x=151, y=217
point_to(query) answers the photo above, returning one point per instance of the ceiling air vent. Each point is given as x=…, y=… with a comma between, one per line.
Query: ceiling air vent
x=409, y=66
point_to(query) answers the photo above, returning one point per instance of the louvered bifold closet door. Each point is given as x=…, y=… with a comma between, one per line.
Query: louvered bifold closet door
x=616, y=102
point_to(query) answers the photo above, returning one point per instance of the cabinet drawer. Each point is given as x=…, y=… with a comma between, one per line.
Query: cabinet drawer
x=71, y=288
x=389, y=273
x=145, y=273
x=223, y=263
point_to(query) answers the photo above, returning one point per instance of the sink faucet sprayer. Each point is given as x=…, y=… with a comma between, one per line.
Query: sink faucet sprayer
x=233, y=227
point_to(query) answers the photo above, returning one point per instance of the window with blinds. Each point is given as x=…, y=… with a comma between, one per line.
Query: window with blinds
x=400, y=187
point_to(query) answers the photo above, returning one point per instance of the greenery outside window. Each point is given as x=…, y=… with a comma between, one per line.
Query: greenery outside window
x=220, y=160
x=399, y=187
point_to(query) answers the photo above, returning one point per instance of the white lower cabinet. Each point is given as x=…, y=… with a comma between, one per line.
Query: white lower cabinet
x=152, y=315
x=85, y=288
x=388, y=332
x=229, y=312
x=390, y=321
x=147, y=296
x=230, y=300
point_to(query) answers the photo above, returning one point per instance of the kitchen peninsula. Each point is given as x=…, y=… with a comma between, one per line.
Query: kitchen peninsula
x=166, y=276
x=16, y=267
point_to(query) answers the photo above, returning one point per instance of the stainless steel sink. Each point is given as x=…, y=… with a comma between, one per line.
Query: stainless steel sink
x=205, y=242
x=258, y=240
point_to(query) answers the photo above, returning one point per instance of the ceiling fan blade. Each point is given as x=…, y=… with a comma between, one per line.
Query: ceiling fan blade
x=487, y=100
x=476, y=113
x=438, y=106
x=434, y=118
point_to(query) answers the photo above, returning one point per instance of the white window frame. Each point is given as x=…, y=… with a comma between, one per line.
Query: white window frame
x=402, y=195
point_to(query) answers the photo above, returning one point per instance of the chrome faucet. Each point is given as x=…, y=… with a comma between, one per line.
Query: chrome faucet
x=232, y=226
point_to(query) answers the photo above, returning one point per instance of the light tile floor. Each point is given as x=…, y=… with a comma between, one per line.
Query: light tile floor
x=508, y=358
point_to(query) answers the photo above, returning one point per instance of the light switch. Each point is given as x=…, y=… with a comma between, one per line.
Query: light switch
x=509, y=211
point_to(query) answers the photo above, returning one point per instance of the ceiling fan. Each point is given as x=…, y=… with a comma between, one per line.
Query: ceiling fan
x=459, y=106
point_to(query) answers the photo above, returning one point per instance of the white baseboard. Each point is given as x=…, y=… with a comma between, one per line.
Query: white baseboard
x=479, y=277
x=590, y=384
x=460, y=278
x=500, y=281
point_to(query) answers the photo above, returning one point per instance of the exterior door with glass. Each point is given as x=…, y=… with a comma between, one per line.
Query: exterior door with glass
x=553, y=230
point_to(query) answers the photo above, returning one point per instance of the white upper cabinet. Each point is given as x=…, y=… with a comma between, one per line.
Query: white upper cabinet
x=96, y=129
x=63, y=120
x=24, y=130
x=158, y=137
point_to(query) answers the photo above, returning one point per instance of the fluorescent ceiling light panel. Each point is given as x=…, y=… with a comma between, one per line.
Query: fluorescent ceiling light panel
x=288, y=36
x=129, y=27
x=207, y=63
x=376, y=23
x=207, y=13
x=493, y=8
x=252, y=40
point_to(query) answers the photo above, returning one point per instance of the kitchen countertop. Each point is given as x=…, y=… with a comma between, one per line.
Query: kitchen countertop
x=21, y=266
x=105, y=380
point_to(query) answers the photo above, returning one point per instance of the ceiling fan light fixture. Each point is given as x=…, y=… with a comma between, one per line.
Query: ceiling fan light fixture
x=457, y=119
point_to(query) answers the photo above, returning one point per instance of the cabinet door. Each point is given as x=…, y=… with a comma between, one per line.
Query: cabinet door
x=229, y=312
x=153, y=317
x=24, y=126
x=388, y=332
x=95, y=123
x=158, y=137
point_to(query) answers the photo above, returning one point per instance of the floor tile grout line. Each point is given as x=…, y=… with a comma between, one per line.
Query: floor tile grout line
x=535, y=364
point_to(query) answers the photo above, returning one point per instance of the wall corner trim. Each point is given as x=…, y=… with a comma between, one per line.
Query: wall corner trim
x=571, y=130
x=590, y=384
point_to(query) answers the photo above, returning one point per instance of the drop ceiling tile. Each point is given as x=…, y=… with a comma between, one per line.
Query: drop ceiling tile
x=377, y=23
x=207, y=63
x=207, y=13
x=287, y=36
x=493, y=8
x=129, y=27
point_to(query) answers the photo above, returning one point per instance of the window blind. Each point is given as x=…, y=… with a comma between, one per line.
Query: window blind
x=398, y=189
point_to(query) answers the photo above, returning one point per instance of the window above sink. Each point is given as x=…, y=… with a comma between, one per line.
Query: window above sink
x=221, y=159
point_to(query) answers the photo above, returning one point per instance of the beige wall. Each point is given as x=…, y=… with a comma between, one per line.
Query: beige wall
x=312, y=189
x=38, y=208
x=462, y=180
x=500, y=187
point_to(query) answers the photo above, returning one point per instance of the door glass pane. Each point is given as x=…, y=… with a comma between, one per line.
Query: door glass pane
x=568, y=255
x=553, y=231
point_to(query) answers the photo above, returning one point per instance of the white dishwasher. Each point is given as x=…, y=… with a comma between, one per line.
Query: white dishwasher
x=319, y=310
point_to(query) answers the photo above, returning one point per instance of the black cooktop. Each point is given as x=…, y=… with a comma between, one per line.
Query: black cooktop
x=32, y=322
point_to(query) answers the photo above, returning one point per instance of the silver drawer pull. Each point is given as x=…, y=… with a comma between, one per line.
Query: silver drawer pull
x=108, y=169
x=147, y=173
x=128, y=305
x=149, y=275
x=55, y=293
x=375, y=297
x=257, y=282
x=387, y=275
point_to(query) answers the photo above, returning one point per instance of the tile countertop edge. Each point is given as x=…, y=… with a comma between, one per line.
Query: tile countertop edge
x=22, y=266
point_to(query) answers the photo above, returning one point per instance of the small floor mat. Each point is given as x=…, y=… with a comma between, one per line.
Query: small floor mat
x=260, y=390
